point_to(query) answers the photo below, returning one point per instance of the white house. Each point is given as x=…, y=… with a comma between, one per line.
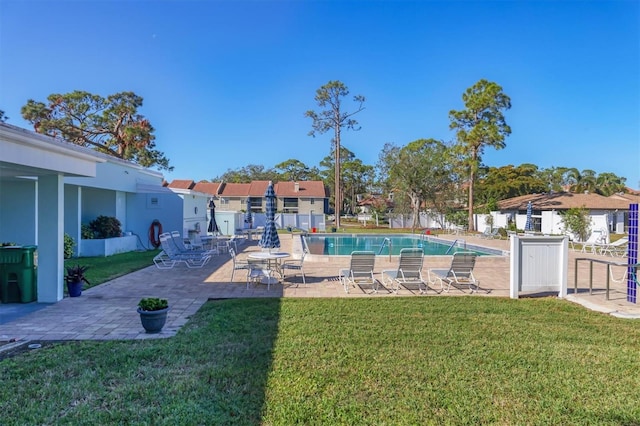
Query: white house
x=49, y=187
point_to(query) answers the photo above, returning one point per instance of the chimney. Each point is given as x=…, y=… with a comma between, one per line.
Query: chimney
x=296, y=187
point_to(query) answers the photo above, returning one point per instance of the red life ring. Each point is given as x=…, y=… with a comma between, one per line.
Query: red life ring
x=154, y=233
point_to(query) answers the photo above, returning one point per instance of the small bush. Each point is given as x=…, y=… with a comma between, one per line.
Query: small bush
x=69, y=244
x=153, y=304
x=106, y=227
x=86, y=233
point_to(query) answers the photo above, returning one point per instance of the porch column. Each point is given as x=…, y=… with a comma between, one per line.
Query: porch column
x=50, y=238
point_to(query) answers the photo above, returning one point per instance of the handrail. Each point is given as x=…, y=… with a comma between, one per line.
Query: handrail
x=386, y=240
x=609, y=265
x=451, y=246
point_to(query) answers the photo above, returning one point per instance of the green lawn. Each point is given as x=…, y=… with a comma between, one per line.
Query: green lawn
x=102, y=269
x=394, y=361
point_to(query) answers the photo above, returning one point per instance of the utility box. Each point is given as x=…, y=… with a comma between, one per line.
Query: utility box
x=538, y=264
x=18, y=274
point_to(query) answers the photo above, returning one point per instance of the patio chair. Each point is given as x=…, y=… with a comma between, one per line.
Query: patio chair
x=360, y=271
x=295, y=266
x=238, y=264
x=409, y=271
x=460, y=273
x=171, y=256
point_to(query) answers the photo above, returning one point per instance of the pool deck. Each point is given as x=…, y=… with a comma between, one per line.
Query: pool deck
x=108, y=311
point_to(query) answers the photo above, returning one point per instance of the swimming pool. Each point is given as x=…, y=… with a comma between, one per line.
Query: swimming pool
x=381, y=244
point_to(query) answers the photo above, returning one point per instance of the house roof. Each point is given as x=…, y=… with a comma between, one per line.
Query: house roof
x=565, y=200
x=181, y=184
x=257, y=188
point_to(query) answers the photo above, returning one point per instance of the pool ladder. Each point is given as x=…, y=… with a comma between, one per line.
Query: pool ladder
x=386, y=241
x=454, y=244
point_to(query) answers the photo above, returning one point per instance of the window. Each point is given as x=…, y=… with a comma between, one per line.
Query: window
x=290, y=205
x=153, y=201
x=312, y=201
x=256, y=204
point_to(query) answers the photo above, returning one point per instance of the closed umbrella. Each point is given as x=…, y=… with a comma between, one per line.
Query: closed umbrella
x=213, y=226
x=248, y=218
x=270, y=237
x=528, y=226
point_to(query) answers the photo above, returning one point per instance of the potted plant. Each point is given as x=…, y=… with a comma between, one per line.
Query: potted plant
x=153, y=313
x=74, y=279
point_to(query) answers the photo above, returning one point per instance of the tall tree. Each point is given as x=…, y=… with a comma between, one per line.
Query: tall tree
x=3, y=117
x=296, y=170
x=332, y=117
x=327, y=172
x=248, y=174
x=479, y=125
x=423, y=172
x=609, y=183
x=110, y=125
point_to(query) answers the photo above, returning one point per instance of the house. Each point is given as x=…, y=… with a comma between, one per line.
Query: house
x=292, y=197
x=50, y=187
x=299, y=204
x=607, y=213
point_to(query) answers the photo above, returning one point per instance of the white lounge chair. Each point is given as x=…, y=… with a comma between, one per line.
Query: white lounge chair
x=459, y=274
x=360, y=271
x=490, y=233
x=409, y=272
x=617, y=248
x=170, y=256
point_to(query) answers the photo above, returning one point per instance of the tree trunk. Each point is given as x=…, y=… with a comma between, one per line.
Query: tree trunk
x=472, y=178
x=337, y=198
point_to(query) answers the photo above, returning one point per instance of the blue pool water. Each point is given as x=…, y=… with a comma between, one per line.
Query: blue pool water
x=343, y=245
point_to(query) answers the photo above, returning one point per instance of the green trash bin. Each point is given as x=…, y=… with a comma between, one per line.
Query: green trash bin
x=18, y=274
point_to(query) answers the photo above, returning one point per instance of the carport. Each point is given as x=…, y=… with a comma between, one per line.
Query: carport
x=32, y=171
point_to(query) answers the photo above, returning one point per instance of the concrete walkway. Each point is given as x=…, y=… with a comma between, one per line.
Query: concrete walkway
x=108, y=311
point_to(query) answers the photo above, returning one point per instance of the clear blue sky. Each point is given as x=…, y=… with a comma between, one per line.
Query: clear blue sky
x=226, y=83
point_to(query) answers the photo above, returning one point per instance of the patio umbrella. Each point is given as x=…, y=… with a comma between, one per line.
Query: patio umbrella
x=528, y=226
x=213, y=226
x=270, y=237
x=247, y=215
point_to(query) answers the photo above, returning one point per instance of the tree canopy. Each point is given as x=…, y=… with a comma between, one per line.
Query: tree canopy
x=481, y=124
x=333, y=117
x=110, y=125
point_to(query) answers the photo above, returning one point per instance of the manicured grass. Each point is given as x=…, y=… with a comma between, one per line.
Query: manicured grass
x=400, y=361
x=102, y=269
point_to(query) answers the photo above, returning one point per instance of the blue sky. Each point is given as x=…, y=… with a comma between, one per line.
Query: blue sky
x=226, y=83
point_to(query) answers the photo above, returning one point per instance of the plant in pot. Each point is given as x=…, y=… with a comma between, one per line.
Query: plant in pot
x=153, y=313
x=74, y=279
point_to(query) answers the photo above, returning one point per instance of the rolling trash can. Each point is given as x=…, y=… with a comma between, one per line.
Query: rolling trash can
x=18, y=274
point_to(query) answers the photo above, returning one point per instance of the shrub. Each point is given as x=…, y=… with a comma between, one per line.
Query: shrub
x=69, y=244
x=153, y=304
x=578, y=222
x=86, y=233
x=106, y=227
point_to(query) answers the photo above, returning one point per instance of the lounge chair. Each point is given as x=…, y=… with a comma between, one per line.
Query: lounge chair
x=459, y=274
x=490, y=233
x=170, y=256
x=183, y=247
x=295, y=266
x=618, y=248
x=360, y=271
x=409, y=271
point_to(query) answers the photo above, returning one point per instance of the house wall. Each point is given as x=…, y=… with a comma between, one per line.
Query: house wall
x=118, y=176
x=195, y=209
x=97, y=202
x=18, y=220
x=144, y=208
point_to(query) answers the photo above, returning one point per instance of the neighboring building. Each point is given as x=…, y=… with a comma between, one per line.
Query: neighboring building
x=292, y=197
x=607, y=213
